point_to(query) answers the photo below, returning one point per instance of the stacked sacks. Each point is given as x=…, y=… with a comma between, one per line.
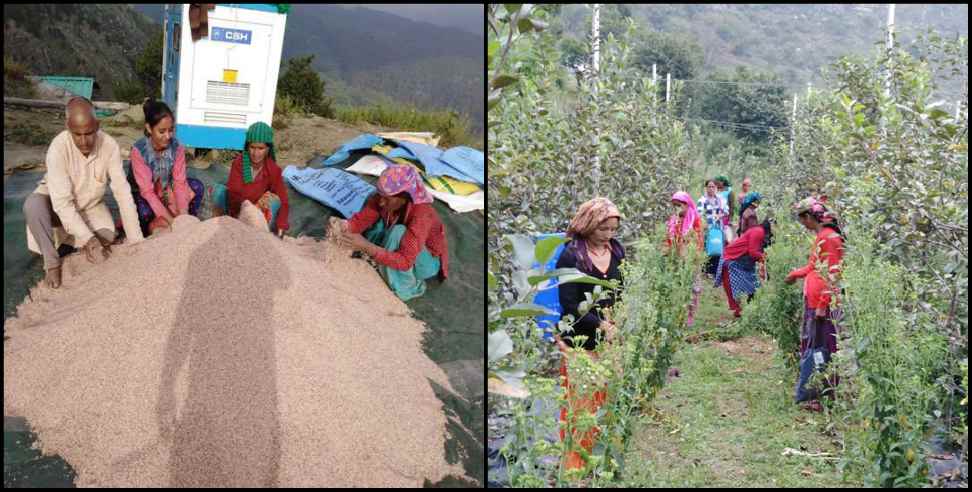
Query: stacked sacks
x=455, y=176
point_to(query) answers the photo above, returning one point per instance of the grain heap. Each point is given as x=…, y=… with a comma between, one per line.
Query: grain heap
x=218, y=355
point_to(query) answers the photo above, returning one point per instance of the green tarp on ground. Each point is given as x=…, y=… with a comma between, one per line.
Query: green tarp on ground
x=452, y=310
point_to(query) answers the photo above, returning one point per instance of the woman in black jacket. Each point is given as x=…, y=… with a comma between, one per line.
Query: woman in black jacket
x=592, y=250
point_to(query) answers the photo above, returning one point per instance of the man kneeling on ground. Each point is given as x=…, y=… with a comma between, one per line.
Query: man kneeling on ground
x=68, y=205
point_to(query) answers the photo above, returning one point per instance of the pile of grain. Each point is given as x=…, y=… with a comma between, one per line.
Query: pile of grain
x=252, y=216
x=218, y=355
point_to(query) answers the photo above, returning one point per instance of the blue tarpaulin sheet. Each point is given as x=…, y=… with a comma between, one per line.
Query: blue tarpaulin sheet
x=431, y=158
x=363, y=141
x=466, y=160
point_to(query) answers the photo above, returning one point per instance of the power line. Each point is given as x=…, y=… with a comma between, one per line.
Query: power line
x=754, y=125
x=737, y=126
x=702, y=81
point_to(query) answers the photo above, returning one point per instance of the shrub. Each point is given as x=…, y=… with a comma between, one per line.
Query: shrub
x=130, y=91
x=891, y=358
x=777, y=308
x=16, y=83
x=449, y=125
x=284, y=110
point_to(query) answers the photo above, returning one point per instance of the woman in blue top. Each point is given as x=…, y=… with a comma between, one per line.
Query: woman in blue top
x=725, y=191
x=713, y=209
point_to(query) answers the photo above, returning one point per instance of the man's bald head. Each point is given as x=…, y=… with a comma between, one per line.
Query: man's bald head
x=82, y=123
x=79, y=105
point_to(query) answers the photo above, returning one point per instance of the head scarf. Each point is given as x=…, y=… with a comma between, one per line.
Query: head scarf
x=691, y=214
x=749, y=200
x=258, y=132
x=747, y=219
x=724, y=180
x=817, y=209
x=590, y=215
x=396, y=179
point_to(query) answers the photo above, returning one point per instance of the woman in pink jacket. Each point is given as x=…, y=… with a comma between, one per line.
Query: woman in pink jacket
x=158, y=172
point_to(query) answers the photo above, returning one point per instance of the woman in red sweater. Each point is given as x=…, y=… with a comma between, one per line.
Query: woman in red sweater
x=820, y=323
x=737, y=267
x=255, y=177
x=401, y=231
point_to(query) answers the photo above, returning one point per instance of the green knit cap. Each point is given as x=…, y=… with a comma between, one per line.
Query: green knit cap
x=258, y=132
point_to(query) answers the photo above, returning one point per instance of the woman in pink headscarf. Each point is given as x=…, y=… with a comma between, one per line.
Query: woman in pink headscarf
x=402, y=232
x=683, y=222
x=681, y=225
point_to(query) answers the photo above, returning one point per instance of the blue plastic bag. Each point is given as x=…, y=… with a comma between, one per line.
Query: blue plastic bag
x=549, y=298
x=335, y=188
x=714, y=241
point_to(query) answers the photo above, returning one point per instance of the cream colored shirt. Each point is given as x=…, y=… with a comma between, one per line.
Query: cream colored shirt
x=76, y=185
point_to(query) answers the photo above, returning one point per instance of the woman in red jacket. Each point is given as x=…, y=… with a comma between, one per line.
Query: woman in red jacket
x=256, y=177
x=818, y=287
x=737, y=267
x=400, y=229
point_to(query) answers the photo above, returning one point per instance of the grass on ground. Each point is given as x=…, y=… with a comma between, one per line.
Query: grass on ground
x=727, y=419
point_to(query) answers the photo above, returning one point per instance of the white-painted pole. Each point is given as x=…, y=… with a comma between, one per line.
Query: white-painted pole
x=890, y=47
x=595, y=44
x=668, y=88
x=793, y=130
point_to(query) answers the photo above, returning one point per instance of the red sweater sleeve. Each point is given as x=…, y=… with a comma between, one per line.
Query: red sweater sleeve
x=146, y=187
x=280, y=189
x=365, y=218
x=416, y=233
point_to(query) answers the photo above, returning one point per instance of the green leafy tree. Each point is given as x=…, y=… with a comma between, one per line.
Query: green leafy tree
x=148, y=74
x=304, y=87
x=573, y=52
x=148, y=66
x=748, y=106
x=677, y=54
